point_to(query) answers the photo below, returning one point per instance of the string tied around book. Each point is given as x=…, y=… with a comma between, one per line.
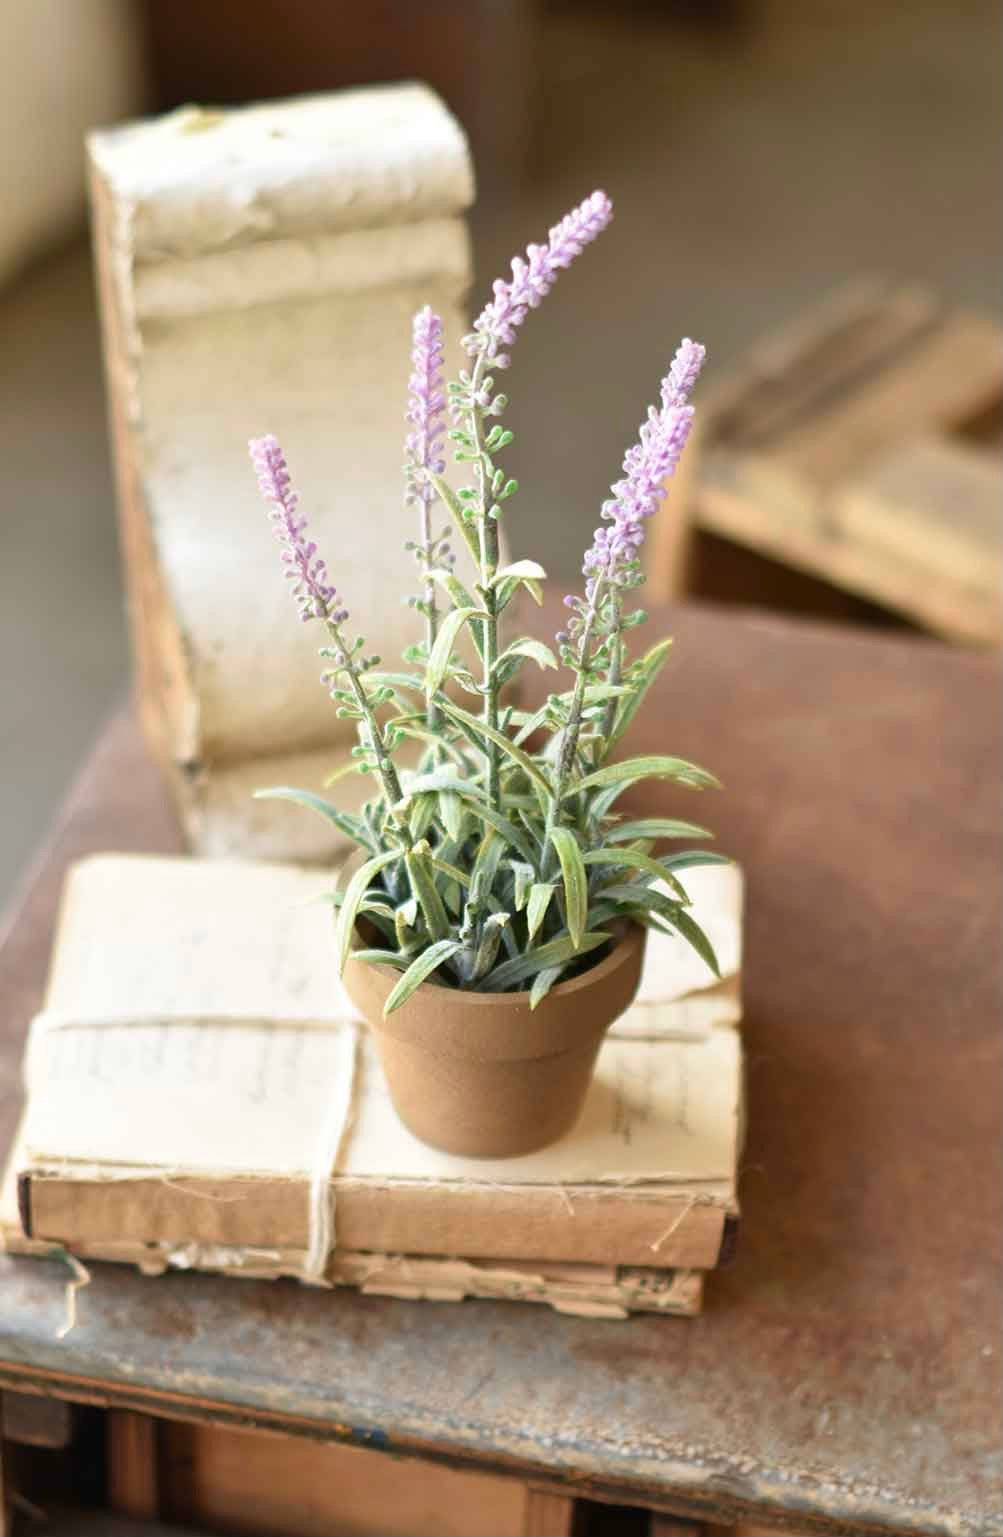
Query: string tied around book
x=332, y=1134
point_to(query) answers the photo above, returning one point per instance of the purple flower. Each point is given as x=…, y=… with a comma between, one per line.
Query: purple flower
x=426, y=407
x=647, y=465
x=315, y=598
x=637, y=496
x=533, y=277
x=677, y=386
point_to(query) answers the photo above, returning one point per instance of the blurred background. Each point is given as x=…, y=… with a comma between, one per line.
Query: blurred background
x=758, y=152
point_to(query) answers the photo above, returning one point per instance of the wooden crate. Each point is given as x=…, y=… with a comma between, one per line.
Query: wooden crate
x=854, y=447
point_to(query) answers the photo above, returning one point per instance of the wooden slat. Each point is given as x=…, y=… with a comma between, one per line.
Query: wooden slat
x=820, y=356
x=809, y=460
x=758, y=1529
x=29, y=1419
x=821, y=551
x=132, y=1464
x=548, y=1514
x=253, y=1482
x=951, y=377
x=937, y=504
x=5, y=1511
x=679, y=1526
x=765, y=364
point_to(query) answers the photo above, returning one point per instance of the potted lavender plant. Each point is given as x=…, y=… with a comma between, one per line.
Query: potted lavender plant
x=493, y=926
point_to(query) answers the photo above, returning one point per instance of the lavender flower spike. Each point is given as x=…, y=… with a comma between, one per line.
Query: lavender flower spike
x=426, y=406
x=315, y=598
x=647, y=465
x=533, y=277
x=677, y=386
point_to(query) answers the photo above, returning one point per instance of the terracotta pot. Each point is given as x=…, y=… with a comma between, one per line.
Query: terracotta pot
x=482, y=1075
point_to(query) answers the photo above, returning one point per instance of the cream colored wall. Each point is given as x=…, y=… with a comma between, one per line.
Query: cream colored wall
x=69, y=65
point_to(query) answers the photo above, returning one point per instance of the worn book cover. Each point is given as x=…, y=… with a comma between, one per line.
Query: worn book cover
x=198, y=1087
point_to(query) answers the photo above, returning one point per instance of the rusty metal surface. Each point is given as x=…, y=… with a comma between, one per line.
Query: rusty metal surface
x=846, y=1371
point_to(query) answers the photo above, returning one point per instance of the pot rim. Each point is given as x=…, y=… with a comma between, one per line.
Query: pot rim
x=624, y=933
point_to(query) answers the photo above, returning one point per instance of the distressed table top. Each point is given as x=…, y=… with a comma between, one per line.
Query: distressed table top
x=846, y=1370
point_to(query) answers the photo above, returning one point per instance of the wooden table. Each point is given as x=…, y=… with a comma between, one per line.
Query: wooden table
x=845, y=1375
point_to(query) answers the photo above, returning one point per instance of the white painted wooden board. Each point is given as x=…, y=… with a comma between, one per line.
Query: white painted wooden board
x=259, y=271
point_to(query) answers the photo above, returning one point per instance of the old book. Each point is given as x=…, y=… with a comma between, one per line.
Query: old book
x=197, y=1085
x=258, y=270
x=594, y=1291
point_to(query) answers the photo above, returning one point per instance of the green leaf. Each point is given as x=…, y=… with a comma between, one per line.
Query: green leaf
x=420, y=814
x=485, y=866
x=542, y=983
x=418, y=865
x=632, y=769
x=353, y=827
x=404, y=680
x=438, y=662
x=521, y=569
x=430, y=783
x=576, y=883
x=487, y=950
x=455, y=588
x=381, y=958
x=354, y=892
x=531, y=723
x=688, y=927
x=481, y=728
x=508, y=938
x=598, y=693
x=457, y=511
x=694, y=858
x=341, y=772
x=452, y=871
x=632, y=860
x=410, y=727
x=461, y=598
x=419, y=969
x=535, y=649
x=655, y=827
x=405, y=921
x=451, y=812
x=522, y=880
x=507, y=588
x=540, y=894
x=378, y=913
x=494, y=820
x=648, y=668
x=554, y=953
x=649, y=904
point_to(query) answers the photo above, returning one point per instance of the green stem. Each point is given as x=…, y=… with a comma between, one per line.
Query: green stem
x=569, y=736
x=431, y=609
x=614, y=674
x=488, y=547
x=385, y=770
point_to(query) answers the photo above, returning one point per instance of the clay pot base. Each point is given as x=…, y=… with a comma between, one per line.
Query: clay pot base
x=481, y=1074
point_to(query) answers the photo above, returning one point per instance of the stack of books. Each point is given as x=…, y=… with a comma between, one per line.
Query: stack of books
x=200, y=1094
